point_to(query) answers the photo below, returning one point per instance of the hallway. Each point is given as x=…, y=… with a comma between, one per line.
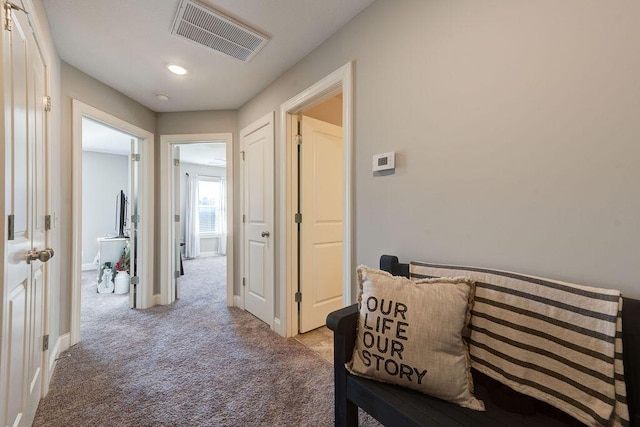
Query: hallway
x=194, y=363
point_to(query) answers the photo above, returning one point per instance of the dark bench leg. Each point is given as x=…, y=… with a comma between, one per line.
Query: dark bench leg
x=346, y=412
x=343, y=323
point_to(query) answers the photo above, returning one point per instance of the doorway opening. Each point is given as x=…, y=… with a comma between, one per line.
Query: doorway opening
x=140, y=211
x=106, y=227
x=338, y=82
x=196, y=208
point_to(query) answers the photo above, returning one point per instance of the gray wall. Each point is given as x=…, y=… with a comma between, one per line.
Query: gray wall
x=103, y=176
x=78, y=85
x=192, y=122
x=207, y=244
x=515, y=126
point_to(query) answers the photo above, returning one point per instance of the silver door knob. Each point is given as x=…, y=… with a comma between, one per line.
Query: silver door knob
x=43, y=255
x=265, y=234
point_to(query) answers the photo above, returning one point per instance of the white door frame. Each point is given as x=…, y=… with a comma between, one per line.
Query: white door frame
x=340, y=80
x=166, y=206
x=146, y=232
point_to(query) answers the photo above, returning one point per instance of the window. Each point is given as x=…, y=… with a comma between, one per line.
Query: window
x=210, y=193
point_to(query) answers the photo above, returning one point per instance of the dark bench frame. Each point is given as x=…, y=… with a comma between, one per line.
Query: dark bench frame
x=397, y=406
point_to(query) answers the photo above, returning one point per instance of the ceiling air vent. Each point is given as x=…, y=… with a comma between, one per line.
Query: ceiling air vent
x=211, y=29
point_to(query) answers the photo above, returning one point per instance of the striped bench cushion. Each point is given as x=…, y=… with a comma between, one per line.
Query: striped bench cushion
x=558, y=342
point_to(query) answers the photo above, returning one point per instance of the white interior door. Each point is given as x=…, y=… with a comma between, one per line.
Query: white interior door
x=23, y=287
x=258, y=241
x=177, y=265
x=321, y=184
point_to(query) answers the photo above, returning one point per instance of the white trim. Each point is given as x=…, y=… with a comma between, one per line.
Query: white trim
x=157, y=299
x=340, y=80
x=62, y=345
x=145, y=296
x=238, y=302
x=208, y=254
x=278, y=327
x=166, y=215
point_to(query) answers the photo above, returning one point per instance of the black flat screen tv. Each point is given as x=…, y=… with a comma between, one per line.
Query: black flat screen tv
x=121, y=213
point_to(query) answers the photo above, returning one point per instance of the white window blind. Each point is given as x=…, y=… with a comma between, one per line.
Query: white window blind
x=209, y=189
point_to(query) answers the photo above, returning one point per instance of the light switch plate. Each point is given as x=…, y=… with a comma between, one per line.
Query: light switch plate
x=384, y=161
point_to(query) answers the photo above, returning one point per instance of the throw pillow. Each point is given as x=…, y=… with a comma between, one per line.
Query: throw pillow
x=411, y=334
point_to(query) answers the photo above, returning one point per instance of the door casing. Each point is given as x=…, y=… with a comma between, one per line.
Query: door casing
x=340, y=80
x=146, y=231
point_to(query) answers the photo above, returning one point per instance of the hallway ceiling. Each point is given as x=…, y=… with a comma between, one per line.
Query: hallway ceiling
x=127, y=45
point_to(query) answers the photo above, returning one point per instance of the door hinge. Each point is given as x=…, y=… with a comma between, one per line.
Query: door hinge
x=242, y=154
x=244, y=281
x=47, y=222
x=298, y=296
x=45, y=342
x=298, y=218
x=176, y=274
x=299, y=139
x=8, y=22
x=135, y=157
x=11, y=224
x=244, y=218
x=176, y=218
x=176, y=162
x=135, y=219
x=47, y=103
x=135, y=280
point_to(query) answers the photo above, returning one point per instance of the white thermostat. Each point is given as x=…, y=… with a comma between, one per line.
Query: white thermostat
x=384, y=161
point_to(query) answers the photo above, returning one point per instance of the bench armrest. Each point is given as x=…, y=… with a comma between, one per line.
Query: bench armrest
x=343, y=323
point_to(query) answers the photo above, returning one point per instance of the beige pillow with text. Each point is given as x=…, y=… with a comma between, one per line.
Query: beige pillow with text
x=410, y=333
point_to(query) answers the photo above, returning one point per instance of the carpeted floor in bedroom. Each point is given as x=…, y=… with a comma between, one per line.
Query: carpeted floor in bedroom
x=196, y=362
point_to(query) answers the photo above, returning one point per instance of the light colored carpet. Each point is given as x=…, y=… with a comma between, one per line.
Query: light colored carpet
x=194, y=363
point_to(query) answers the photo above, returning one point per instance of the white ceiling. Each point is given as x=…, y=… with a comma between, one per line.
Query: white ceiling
x=127, y=44
x=101, y=138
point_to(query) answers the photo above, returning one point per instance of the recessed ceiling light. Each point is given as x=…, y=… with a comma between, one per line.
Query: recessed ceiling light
x=162, y=97
x=176, y=69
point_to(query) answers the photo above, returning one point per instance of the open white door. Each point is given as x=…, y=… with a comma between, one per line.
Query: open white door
x=177, y=265
x=321, y=184
x=257, y=145
x=134, y=267
x=24, y=237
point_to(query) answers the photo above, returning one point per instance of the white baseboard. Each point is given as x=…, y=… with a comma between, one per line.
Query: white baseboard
x=61, y=346
x=278, y=328
x=208, y=254
x=64, y=342
x=237, y=302
x=157, y=299
x=89, y=266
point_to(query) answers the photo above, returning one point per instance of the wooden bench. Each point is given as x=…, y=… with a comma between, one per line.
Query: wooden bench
x=398, y=406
